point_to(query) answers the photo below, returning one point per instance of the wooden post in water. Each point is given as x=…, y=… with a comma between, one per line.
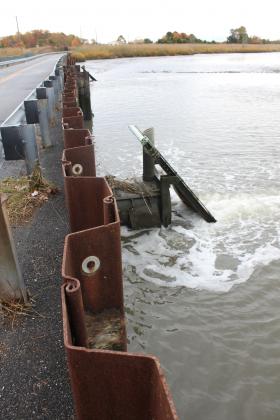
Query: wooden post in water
x=84, y=94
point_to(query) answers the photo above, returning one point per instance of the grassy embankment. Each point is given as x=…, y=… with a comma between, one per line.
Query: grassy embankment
x=91, y=52
x=150, y=50
x=18, y=52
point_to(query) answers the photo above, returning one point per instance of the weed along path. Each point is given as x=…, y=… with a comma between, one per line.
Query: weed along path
x=34, y=376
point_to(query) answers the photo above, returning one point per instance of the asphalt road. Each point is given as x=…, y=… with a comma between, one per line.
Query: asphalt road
x=34, y=380
x=17, y=81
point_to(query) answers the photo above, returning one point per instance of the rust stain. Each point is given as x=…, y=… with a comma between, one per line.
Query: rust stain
x=107, y=381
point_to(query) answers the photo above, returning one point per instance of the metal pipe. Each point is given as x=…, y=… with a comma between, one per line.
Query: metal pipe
x=75, y=309
x=109, y=210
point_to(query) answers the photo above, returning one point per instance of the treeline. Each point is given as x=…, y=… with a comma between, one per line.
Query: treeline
x=240, y=36
x=59, y=40
x=40, y=38
x=237, y=36
x=179, y=38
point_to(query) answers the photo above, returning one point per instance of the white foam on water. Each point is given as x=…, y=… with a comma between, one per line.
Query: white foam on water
x=194, y=254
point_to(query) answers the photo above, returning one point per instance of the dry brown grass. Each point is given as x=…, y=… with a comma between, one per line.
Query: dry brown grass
x=149, y=50
x=104, y=330
x=16, y=52
x=13, y=310
x=25, y=194
x=127, y=185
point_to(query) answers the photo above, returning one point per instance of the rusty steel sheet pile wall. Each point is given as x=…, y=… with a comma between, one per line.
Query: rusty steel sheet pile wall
x=77, y=137
x=79, y=161
x=107, y=381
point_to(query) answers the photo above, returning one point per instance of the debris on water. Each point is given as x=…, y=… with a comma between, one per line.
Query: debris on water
x=104, y=330
x=133, y=185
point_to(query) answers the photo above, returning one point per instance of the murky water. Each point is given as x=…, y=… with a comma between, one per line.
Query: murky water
x=203, y=298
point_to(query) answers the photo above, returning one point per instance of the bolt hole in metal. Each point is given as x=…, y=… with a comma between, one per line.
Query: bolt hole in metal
x=71, y=287
x=90, y=265
x=77, y=169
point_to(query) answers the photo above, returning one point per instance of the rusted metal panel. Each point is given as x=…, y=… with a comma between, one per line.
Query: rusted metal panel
x=70, y=92
x=106, y=384
x=76, y=312
x=115, y=385
x=69, y=103
x=103, y=289
x=85, y=201
x=68, y=96
x=71, y=112
x=79, y=161
x=75, y=121
x=75, y=138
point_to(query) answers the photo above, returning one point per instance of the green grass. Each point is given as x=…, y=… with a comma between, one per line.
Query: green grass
x=150, y=50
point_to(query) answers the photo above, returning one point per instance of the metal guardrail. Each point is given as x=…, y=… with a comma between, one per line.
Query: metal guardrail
x=19, y=141
x=18, y=115
x=18, y=132
x=21, y=60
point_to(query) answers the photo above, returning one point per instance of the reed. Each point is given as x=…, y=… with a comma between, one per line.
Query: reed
x=18, y=52
x=93, y=52
x=25, y=194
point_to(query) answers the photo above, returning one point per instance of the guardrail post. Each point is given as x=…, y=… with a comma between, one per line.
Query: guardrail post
x=12, y=143
x=28, y=134
x=55, y=81
x=48, y=84
x=59, y=74
x=31, y=111
x=12, y=286
x=42, y=103
x=19, y=142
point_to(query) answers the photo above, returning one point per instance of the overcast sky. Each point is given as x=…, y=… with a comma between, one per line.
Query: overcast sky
x=107, y=19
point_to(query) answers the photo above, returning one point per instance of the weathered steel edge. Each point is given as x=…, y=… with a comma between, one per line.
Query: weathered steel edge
x=92, y=371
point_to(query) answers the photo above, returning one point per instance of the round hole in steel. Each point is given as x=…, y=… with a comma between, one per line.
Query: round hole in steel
x=90, y=265
x=77, y=169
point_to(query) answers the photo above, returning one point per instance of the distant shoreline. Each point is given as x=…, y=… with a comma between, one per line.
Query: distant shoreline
x=97, y=52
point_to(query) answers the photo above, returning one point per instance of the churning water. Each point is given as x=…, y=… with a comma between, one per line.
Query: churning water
x=203, y=297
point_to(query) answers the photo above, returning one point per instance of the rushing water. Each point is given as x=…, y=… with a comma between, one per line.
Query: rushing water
x=202, y=297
